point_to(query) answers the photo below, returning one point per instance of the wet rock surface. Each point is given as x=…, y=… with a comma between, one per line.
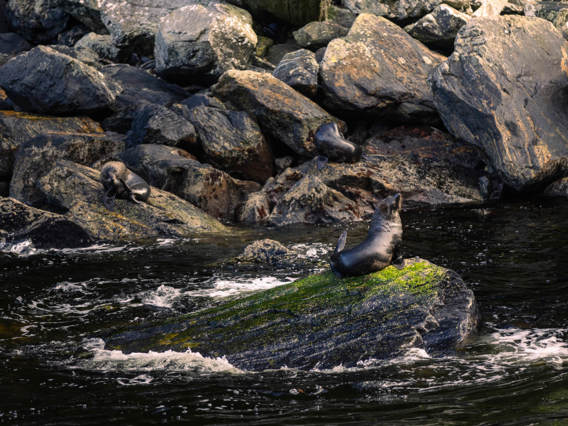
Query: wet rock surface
x=306, y=324
x=20, y=222
x=515, y=108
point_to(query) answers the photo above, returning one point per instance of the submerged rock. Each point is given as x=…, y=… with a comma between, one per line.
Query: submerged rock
x=515, y=107
x=46, y=81
x=378, y=68
x=76, y=191
x=21, y=222
x=322, y=321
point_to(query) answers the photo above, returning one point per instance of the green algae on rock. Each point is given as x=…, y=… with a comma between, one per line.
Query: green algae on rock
x=322, y=321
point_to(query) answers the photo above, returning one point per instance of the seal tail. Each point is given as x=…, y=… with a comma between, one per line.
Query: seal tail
x=341, y=242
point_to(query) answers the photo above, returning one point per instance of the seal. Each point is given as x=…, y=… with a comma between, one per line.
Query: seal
x=120, y=182
x=331, y=143
x=380, y=247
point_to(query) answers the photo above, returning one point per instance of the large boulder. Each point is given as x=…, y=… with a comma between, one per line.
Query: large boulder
x=35, y=156
x=514, y=107
x=17, y=128
x=46, y=81
x=439, y=28
x=210, y=189
x=39, y=21
x=299, y=70
x=284, y=115
x=20, y=222
x=76, y=190
x=233, y=141
x=199, y=43
x=400, y=10
x=139, y=88
x=322, y=321
x=378, y=68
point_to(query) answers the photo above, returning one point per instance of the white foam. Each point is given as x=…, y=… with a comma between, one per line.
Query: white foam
x=115, y=360
x=23, y=248
x=225, y=288
x=164, y=296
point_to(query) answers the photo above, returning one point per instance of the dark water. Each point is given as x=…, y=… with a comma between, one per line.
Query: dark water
x=53, y=305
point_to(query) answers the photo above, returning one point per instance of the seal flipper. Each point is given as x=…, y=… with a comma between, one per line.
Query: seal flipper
x=341, y=242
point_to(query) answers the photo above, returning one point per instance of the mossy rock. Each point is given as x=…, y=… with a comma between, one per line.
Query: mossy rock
x=322, y=321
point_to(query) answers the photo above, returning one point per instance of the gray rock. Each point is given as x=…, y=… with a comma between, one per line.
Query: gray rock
x=46, y=230
x=38, y=21
x=202, y=99
x=102, y=45
x=210, y=189
x=265, y=251
x=299, y=70
x=378, y=68
x=157, y=124
x=72, y=35
x=35, y=156
x=133, y=24
x=46, y=81
x=514, y=109
x=318, y=34
x=277, y=51
x=199, y=43
x=87, y=12
x=10, y=45
x=139, y=88
x=311, y=201
x=284, y=115
x=439, y=28
x=400, y=10
x=553, y=11
x=17, y=128
x=232, y=141
x=76, y=190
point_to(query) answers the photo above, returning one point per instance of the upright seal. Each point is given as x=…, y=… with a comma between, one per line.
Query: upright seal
x=380, y=247
x=331, y=143
x=120, y=182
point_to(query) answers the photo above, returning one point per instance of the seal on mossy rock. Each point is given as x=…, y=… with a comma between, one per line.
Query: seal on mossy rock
x=323, y=321
x=118, y=181
x=380, y=247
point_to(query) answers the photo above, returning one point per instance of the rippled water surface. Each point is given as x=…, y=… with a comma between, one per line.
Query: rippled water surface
x=54, y=306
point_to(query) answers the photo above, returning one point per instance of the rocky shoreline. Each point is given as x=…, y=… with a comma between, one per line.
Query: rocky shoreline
x=216, y=104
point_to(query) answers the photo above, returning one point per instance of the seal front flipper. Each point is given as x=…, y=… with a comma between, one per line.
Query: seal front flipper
x=341, y=242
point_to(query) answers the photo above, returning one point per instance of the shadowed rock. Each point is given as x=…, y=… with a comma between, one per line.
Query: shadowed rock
x=38, y=21
x=515, y=107
x=322, y=321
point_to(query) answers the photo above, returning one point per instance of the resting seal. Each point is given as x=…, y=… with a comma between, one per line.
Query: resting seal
x=380, y=247
x=334, y=146
x=118, y=181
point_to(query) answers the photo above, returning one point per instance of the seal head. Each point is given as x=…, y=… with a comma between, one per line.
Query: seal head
x=331, y=143
x=120, y=182
x=380, y=247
